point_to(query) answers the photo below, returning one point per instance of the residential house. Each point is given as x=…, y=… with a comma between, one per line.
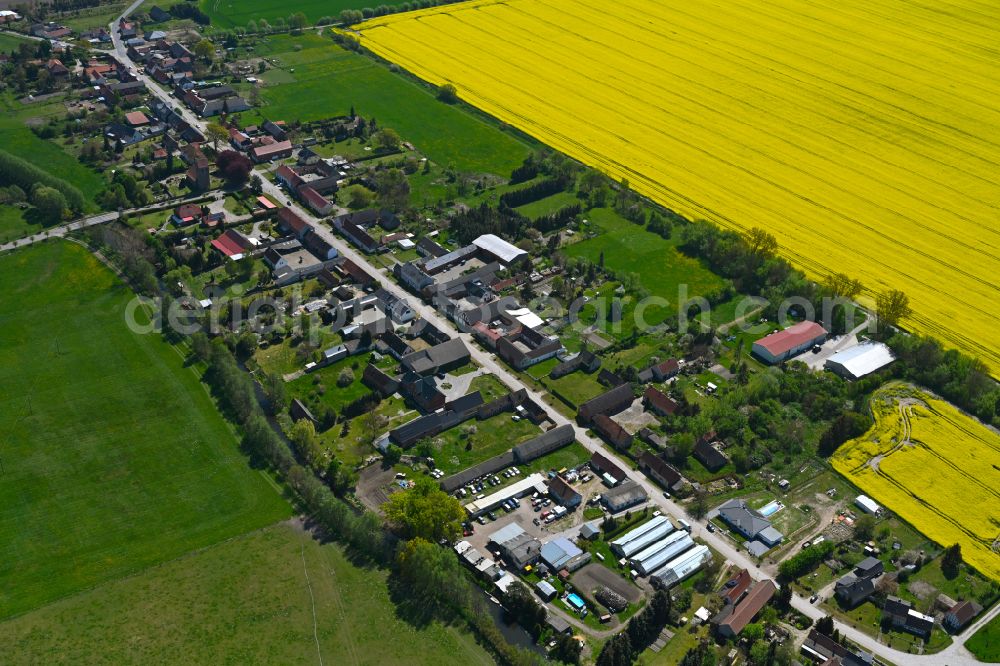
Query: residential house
x=901, y=615
x=659, y=402
x=188, y=213
x=734, y=618
x=611, y=431
x=440, y=358
x=562, y=493
x=828, y=652
x=661, y=471
x=623, y=496
x=608, y=469
x=610, y=402
x=734, y=589
x=961, y=614
x=855, y=587
x=232, y=244
x=586, y=361
x=708, y=451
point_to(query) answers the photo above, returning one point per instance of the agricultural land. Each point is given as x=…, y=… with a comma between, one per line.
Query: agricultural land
x=250, y=599
x=935, y=467
x=114, y=456
x=859, y=133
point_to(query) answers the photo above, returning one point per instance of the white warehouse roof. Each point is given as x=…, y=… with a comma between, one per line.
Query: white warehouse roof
x=860, y=360
x=668, y=554
x=499, y=248
x=868, y=504
x=682, y=567
x=534, y=482
x=642, y=536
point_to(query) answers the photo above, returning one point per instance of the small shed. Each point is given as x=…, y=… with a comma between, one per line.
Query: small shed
x=545, y=590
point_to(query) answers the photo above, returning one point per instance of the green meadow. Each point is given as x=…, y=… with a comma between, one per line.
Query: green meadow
x=113, y=457
x=321, y=80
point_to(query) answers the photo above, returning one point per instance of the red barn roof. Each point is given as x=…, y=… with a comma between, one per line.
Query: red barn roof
x=792, y=337
x=231, y=243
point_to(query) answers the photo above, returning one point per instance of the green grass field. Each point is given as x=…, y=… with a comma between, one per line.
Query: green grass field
x=985, y=643
x=16, y=138
x=114, y=457
x=228, y=14
x=244, y=601
x=629, y=247
x=548, y=205
x=323, y=385
x=14, y=224
x=328, y=80
x=10, y=42
x=493, y=436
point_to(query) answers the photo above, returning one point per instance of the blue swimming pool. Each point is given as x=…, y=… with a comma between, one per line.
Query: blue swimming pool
x=771, y=508
x=576, y=602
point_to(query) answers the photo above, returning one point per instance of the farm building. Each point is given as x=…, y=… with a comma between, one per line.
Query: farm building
x=623, y=497
x=860, y=360
x=590, y=530
x=824, y=650
x=612, y=473
x=497, y=247
x=651, y=558
x=867, y=504
x=561, y=553
x=901, y=615
x=611, y=402
x=681, y=567
x=640, y=537
x=661, y=471
x=516, y=545
x=732, y=619
x=547, y=442
x=785, y=344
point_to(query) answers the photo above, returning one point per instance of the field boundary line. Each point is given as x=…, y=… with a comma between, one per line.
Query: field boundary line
x=312, y=599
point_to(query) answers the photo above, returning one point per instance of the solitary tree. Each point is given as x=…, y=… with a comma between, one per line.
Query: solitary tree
x=216, y=133
x=891, y=307
x=951, y=560
x=448, y=94
x=425, y=511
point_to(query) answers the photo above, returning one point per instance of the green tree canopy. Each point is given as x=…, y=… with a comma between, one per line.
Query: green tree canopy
x=425, y=511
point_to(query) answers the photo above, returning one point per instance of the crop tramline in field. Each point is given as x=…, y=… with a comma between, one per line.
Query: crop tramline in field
x=934, y=466
x=864, y=135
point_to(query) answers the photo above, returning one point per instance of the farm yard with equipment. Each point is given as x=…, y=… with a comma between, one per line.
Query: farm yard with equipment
x=933, y=466
x=862, y=135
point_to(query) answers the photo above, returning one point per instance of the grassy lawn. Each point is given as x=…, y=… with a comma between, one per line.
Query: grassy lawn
x=628, y=247
x=114, y=456
x=489, y=386
x=320, y=387
x=493, y=436
x=353, y=447
x=548, y=205
x=15, y=224
x=94, y=17
x=985, y=643
x=247, y=600
x=10, y=42
x=328, y=80
x=577, y=387
x=17, y=139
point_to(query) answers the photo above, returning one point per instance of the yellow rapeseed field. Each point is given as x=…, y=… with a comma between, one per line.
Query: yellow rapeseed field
x=865, y=134
x=933, y=466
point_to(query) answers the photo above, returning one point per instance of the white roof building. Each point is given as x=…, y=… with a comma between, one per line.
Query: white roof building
x=526, y=317
x=506, y=580
x=860, y=360
x=867, y=504
x=680, y=568
x=641, y=537
x=673, y=547
x=499, y=248
x=535, y=482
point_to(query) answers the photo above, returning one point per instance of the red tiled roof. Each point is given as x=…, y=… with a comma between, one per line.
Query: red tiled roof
x=274, y=148
x=288, y=175
x=188, y=212
x=314, y=198
x=746, y=610
x=741, y=582
x=231, y=243
x=136, y=118
x=669, y=367
x=266, y=203
x=792, y=337
x=292, y=220
x=661, y=401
